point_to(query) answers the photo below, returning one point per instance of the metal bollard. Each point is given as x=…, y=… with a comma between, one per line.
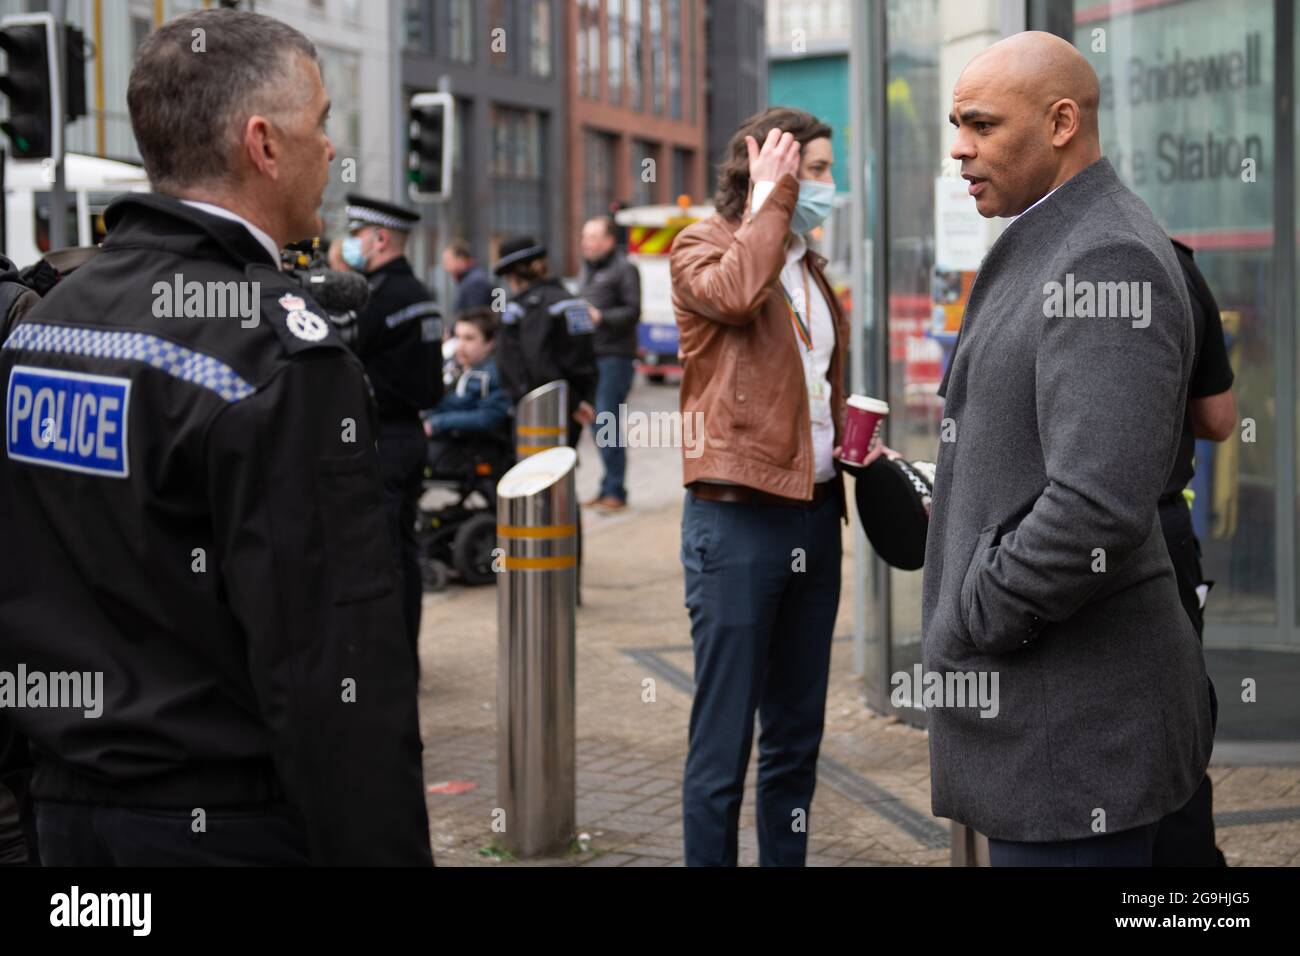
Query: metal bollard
x=537, y=526
x=542, y=419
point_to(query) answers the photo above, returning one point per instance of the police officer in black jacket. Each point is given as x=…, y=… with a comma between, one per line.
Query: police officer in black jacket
x=546, y=333
x=399, y=338
x=1186, y=836
x=192, y=508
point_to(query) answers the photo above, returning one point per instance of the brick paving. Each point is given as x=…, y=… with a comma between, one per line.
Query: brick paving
x=872, y=805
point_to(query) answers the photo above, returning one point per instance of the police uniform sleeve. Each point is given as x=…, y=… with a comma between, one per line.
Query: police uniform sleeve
x=576, y=355
x=305, y=560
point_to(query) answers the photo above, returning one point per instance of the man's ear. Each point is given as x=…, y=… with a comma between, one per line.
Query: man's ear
x=1066, y=120
x=259, y=146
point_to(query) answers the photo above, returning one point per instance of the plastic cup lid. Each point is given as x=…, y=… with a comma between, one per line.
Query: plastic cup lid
x=869, y=404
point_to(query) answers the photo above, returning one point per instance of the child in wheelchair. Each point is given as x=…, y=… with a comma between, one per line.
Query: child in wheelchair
x=470, y=448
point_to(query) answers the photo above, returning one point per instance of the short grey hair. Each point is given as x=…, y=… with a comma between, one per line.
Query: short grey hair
x=196, y=81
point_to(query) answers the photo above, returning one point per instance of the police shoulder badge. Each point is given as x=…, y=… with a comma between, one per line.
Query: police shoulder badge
x=307, y=325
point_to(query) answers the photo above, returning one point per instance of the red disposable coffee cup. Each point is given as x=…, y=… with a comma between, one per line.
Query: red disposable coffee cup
x=862, y=420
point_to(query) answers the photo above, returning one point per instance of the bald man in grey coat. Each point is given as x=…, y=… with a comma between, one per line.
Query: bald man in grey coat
x=1046, y=576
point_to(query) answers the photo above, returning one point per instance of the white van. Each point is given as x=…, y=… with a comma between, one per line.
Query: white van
x=92, y=183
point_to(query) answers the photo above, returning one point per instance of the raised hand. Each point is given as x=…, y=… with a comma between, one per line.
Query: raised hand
x=779, y=155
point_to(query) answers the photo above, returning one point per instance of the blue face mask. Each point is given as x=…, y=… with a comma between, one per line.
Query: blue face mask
x=814, y=205
x=352, y=253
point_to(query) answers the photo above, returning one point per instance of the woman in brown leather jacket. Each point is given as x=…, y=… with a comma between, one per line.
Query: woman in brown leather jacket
x=764, y=341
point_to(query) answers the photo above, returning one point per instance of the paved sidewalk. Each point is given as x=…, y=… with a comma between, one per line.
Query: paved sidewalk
x=872, y=805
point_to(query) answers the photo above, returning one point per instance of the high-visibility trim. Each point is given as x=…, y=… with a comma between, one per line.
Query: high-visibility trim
x=540, y=430
x=541, y=564
x=541, y=531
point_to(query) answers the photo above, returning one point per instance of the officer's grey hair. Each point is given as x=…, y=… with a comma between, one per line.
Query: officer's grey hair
x=196, y=81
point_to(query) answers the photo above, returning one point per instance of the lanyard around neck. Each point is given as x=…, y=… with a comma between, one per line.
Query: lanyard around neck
x=802, y=325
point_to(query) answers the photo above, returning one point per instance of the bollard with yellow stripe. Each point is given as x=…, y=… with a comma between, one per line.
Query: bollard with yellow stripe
x=542, y=419
x=537, y=535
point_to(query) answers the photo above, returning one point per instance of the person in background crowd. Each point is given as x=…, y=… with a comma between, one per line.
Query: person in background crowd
x=1186, y=836
x=476, y=406
x=399, y=338
x=765, y=343
x=473, y=287
x=545, y=333
x=611, y=287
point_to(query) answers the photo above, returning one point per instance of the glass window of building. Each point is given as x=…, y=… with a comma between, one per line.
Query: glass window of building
x=644, y=172
x=599, y=151
x=675, y=59
x=518, y=203
x=415, y=32
x=614, y=30
x=460, y=33
x=657, y=56
x=634, y=53
x=501, y=34
x=539, y=34
x=681, y=181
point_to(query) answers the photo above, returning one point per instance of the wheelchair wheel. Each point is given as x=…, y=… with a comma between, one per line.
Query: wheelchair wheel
x=471, y=550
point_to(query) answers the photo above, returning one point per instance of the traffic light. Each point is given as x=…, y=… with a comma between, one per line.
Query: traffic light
x=74, y=68
x=35, y=123
x=430, y=143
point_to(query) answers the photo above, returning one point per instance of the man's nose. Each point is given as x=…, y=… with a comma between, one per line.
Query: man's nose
x=962, y=147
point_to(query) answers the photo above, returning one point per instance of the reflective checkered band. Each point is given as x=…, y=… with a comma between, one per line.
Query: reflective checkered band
x=365, y=216
x=182, y=363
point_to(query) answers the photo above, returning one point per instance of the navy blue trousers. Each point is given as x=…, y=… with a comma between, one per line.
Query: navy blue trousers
x=614, y=375
x=762, y=588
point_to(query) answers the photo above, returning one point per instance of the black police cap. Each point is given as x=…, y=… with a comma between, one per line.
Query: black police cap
x=374, y=212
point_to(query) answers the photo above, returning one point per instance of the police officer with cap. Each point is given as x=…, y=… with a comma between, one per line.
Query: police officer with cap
x=399, y=338
x=196, y=589
x=546, y=334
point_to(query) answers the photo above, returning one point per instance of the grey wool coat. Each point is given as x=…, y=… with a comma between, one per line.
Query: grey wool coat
x=1045, y=561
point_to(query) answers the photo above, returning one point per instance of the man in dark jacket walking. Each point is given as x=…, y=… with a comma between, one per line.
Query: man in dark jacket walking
x=612, y=288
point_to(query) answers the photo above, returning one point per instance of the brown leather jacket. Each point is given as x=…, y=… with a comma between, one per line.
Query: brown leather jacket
x=742, y=365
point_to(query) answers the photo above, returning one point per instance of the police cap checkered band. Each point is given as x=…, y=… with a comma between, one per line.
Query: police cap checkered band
x=373, y=212
x=518, y=249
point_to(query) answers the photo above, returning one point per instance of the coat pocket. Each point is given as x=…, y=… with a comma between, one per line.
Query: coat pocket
x=967, y=594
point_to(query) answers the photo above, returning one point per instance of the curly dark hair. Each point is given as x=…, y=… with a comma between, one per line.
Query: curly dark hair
x=733, y=173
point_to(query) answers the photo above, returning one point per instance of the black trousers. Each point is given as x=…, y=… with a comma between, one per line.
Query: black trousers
x=403, y=449
x=1186, y=836
x=74, y=834
x=1126, y=848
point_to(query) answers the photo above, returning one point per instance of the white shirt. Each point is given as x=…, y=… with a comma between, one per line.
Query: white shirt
x=817, y=362
x=262, y=237
x=1044, y=199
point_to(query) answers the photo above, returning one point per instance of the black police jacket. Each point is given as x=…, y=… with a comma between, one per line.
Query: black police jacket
x=191, y=508
x=545, y=336
x=399, y=338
